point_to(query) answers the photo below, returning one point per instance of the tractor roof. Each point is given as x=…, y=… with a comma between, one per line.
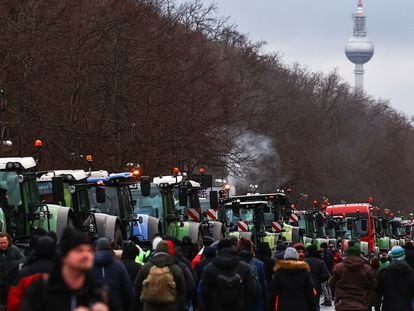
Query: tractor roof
x=75, y=175
x=17, y=163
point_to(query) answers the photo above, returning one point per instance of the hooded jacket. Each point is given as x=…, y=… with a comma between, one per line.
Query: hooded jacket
x=161, y=259
x=111, y=273
x=396, y=285
x=291, y=287
x=352, y=281
x=227, y=262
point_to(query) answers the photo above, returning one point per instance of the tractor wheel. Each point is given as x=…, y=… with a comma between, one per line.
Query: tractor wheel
x=200, y=241
x=118, y=238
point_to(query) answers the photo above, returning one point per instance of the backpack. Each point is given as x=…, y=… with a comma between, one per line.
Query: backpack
x=229, y=288
x=159, y=286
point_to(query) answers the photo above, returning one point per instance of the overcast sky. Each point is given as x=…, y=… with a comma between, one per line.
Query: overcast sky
x=314, y=32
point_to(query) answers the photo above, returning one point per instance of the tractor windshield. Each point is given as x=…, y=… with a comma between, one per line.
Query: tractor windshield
x=9, y=190
x=151, y=205
x=243, y=214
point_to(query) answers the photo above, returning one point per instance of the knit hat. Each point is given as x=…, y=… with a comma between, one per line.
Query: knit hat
x=397, y=253
x=354, y=249
x=291, y=253
x=72, y=238
x=45, y=247
x=103, y=244
x=162, y=247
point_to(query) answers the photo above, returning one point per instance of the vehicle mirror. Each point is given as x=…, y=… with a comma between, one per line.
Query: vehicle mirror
x=145, y=184
x=183, y=195
x=57, y=189
x=134, y=202
x=214, y=200
x=100, y=195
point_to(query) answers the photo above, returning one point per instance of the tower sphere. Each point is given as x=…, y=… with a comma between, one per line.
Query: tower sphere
x=359, y=50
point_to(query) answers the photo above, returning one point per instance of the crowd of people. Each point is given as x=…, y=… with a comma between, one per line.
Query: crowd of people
x=232, y=274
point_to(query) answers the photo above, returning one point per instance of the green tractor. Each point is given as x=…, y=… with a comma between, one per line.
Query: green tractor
x=267, y=217
x=21, y=209
x=155, y=204
x=71, y=189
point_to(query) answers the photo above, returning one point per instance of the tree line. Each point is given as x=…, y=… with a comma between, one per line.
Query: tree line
x=156, y=83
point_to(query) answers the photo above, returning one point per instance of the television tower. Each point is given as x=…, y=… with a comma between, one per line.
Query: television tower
x=359, y=49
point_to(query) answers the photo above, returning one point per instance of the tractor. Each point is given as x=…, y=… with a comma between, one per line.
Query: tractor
x=21, y=209
x=70, y=188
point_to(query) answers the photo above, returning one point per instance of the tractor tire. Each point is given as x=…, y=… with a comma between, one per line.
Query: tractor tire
x=200, y=240
x=118, y=238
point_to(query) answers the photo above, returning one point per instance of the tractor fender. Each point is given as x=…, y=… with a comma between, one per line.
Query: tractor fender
x=106, y=225
x=147, y=228
x=193, y=231
x=216, y=230
x=59, y=220
x=153, y=227
x=238, y=234
x=364, y=247
x=3, y=224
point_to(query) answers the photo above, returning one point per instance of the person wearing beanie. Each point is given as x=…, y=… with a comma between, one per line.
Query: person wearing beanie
x=162, y=258
x=300, y=248
x=227, y=283
x=112, y=274
x=396, y=282
x=245, y=249
x=70, y=284
x=327, y=254
x=279, y=252
x=319, y=273
x=129, y=254
x=291, y=287
x=352, y=280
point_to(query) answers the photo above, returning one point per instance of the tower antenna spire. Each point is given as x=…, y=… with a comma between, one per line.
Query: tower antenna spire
x=360, y=3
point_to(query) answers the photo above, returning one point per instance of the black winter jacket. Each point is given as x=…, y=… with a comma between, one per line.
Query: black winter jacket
x=291, y=287
x=319, y=272
x=9, y=258
x=396, y=285
x=227, y=262
x=109, y=272
x=53, y=294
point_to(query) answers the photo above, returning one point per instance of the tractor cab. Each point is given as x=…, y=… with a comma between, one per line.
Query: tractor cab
x=110, y=195
x=156, y=201
x=69, y=188
x=21, y=209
